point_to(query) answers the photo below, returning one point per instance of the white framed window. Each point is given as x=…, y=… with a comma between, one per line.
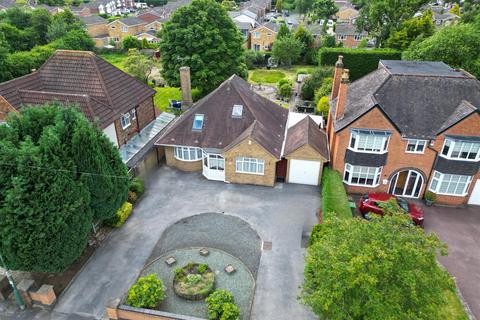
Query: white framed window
x=134, y=113
x=362, y=176
x=124, y=29
x=416, y=146
x=198, y=122
x=256, y=34
x=269, y=34
x=188, y=153
x=368, y=142
x=125, y=120
x=461, y=150
x=450, y=184
x=249, y=165
x=358, y=37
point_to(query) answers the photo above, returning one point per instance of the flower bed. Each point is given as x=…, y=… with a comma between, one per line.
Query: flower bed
x=194, y=281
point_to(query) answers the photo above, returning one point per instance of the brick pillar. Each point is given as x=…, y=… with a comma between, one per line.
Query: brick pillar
x=337, y=76
x=24, y=287
x=186, y=86
x=112, y=307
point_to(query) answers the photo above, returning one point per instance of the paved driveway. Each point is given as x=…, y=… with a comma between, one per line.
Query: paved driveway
x=279, y=214
x=460, y=229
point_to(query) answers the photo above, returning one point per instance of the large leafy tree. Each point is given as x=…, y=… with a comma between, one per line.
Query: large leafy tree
x=411, y=30
x=458, y=46
x=138, y=65
x=287, y=50
x=202, y=36
x=57, y=173
x=382, y=17
x=379, y=269
x=323, y=9
x=306, y=39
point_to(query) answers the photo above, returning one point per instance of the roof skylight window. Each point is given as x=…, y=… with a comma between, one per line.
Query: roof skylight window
x=198, y=122
x=237, y=111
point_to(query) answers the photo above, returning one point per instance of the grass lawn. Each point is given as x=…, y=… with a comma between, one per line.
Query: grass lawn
x=274, y=75
x=164, y=94
x=453, y=310
x=117, y=59
x=334, y=196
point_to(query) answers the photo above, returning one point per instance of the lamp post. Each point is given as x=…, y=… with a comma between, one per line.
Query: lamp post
x=18, y=297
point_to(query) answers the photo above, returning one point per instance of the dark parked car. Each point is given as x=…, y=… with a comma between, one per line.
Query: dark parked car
x=369, y=203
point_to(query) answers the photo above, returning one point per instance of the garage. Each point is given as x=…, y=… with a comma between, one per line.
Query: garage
x=475, y=196
x=304, y=172
x=306, y=150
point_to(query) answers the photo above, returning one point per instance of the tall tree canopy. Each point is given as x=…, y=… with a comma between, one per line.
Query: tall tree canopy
x=457, y=46
x=323, y=9
x=382, y=17
x=202, y=36
x=379, y=269
x=412, y=29
x=287, y=50
x=57, y=173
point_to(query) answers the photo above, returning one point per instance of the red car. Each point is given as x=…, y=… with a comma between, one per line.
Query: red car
x=369, y=203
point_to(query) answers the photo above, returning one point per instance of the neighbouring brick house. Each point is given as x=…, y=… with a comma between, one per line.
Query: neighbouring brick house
x=263, y=36
x=118, y=103
x=237, y=136
x=406, y=128
x=97, y=28
x=347, y=34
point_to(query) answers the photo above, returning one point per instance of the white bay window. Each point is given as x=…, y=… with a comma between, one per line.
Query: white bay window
x=249, y=165
x=188, y=153
x=369, y=141
x=362, y=176
x=461, y=150
x=450, y=184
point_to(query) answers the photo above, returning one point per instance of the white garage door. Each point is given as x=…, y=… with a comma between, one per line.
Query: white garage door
x=475, y=196
x=304, y=172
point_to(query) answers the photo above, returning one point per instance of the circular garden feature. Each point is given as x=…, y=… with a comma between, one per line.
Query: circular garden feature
x=194, y=281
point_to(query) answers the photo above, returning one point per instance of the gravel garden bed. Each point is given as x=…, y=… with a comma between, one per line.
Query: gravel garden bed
x=240, y=282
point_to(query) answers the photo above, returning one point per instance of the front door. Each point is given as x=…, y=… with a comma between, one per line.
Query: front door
x=213, y=166
x=407, y=183
x=281, y=170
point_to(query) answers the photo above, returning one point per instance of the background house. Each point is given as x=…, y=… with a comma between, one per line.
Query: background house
x=97, y=28
x=406, y=128
x=263, y=36
x=118, y=103
x=347, y=34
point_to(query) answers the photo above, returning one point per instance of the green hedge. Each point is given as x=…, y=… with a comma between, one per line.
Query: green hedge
x=121, y=215
x=360, y=62
x=334, y=196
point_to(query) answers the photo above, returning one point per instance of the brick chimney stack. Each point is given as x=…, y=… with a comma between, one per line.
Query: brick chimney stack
x=342, y=94
x=186, y=87
x=337, y=77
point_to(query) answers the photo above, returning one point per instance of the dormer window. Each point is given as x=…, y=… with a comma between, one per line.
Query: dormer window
x=198, y=122
x=369, y=141
x=461, y=150
x=237, y=111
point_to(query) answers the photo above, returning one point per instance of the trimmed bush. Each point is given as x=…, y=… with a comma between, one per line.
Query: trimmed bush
x=121, y=216
x=360, y=62
x=137, y=186
x=323, y=107
x=285, y=90
x=219, y=305
x=334, y=196
x=192, y=283
x=147, y=292
x=314, y=82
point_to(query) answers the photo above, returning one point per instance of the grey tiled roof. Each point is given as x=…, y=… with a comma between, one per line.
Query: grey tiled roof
x=94, y=19
x=420, y=98
x=347, y=29
x=131, y=21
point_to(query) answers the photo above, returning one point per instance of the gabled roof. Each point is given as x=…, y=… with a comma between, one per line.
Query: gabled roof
x=307, y=132
x=130, y=21
x=261, y=119
x=91, y=20
x=347, y=29
x=269, y=25
x=148, y=17
x=419, y=98
x=102, y=91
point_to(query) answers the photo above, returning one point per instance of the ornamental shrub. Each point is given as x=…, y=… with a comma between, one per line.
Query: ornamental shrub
x=360, y=62
x=216, y=301
x=230, y=312
x=323, y=107
x=202, y=268
x=121, y=216
x=137, y=186
x=147, y=292
x=324, y=90
x=285, y=90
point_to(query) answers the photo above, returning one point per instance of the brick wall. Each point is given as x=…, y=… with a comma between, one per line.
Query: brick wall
x=181, y=165
x=145, y=112
x=264, y=40
x=97, y=29
x=250, y=148
x=5, y=108
x=305, y=153
x=115, y=30
x=397, y=158
x=349, y=42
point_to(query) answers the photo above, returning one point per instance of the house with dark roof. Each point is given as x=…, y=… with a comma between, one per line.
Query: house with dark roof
x=119, y=104
x=407, y=128
x=97, y=28
x=121, y=28
x=237, y=136
x=263, y=36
